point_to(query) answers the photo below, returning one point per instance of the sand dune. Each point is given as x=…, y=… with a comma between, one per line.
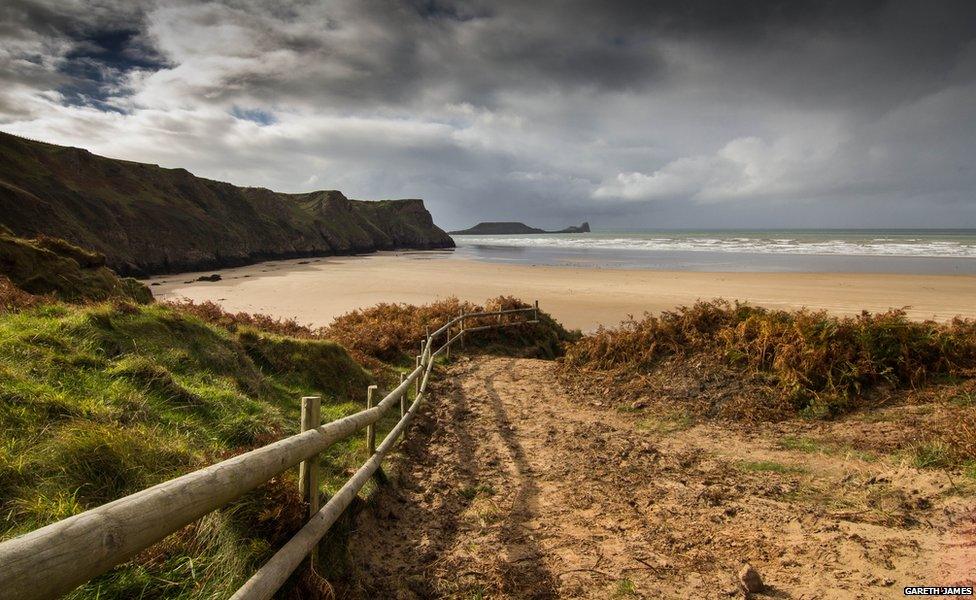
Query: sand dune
x=316, y=290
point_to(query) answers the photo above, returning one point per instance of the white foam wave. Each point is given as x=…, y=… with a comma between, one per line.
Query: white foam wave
x=908, y=247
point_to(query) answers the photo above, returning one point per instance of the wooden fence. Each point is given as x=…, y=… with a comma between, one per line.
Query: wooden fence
x=55, y=559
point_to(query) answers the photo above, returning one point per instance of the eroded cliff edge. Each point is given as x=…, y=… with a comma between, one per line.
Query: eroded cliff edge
x=147, y=219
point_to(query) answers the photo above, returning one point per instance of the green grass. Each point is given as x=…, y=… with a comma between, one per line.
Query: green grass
x=625, y=588
x=830, y=448
x=964, y=399
x=667, y=423
x=98, y=402
x=473, y=491
x=801, y=444
x=932, y=455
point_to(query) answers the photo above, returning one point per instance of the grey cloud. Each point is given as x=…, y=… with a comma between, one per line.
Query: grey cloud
x=631, y=113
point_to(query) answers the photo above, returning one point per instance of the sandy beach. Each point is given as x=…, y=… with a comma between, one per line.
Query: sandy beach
x=314, y=291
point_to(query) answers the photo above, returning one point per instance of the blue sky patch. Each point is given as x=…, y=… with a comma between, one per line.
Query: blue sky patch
x=256, y=115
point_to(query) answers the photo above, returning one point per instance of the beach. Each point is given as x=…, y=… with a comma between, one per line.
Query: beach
x=315, y=290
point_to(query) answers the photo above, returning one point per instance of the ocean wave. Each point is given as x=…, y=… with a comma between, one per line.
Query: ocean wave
x=907, y=247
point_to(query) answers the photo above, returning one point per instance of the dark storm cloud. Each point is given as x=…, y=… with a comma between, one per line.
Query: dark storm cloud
x=653, y=113
x=85, y=52
x=99, y=63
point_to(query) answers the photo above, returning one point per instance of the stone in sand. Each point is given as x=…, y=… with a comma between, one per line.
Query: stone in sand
x=750, y=579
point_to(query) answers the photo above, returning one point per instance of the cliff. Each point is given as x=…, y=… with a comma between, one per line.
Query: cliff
x=514, y=228
x=146, y=219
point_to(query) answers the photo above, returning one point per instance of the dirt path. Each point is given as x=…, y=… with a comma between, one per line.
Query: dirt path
x=508, y=487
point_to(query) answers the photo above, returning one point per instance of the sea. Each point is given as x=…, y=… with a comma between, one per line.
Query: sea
x=912, y=251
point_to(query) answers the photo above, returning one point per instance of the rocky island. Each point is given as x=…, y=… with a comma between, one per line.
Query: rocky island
x=514, y=228
x=146, y=219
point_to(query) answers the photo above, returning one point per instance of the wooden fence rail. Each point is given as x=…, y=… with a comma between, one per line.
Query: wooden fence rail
x=55, y=559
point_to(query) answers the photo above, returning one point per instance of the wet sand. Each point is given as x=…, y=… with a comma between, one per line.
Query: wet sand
x=314, y=291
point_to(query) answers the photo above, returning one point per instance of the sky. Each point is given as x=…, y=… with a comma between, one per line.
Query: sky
x=671, y=114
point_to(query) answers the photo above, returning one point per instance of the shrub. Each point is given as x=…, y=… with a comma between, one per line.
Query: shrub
x=212, y=312
x=816, y=361
x=389, y=331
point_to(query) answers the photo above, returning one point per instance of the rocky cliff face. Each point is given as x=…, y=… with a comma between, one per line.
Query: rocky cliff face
x=146, y=219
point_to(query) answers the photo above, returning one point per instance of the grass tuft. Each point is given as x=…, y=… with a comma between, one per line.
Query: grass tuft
x=625, y=588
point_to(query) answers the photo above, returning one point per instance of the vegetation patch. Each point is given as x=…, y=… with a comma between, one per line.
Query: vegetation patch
x=814, y=363
x=817, y=446
x=214, y=314
x=13, y=298
x=473, y=491
x=392, y=333
x=317, y=364
x=102, y=400
x=932, y=455
x=625, y=588
x=802, y=444
x=55, y=267
x=667, y=423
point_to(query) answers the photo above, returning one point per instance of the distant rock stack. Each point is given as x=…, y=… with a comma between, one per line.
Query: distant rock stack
x=584, y=228
x=514, y=228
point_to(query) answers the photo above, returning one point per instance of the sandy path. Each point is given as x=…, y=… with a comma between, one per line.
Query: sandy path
x=508, y=488
x=317, y=290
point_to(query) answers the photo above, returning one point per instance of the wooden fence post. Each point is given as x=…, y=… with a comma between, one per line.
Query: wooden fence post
x=536, y=313
x=461, y=316
x=403, y=397
x=308, y=470
x=419, y=377
x=370, y=429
